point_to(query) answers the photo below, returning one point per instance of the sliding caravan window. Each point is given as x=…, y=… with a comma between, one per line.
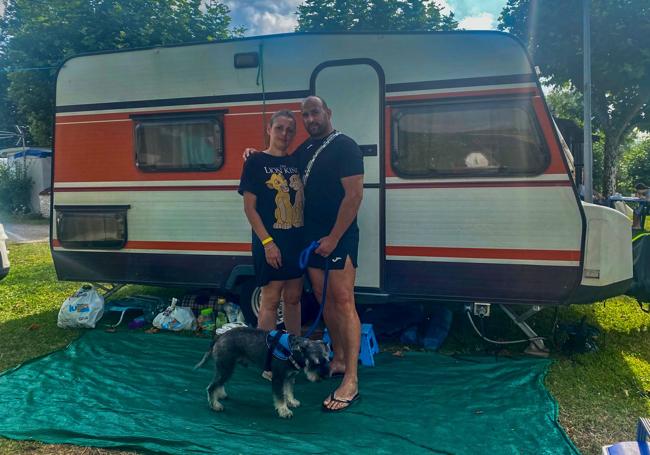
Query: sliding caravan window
x=91, y=226
x=467, y=138
x=179, y=142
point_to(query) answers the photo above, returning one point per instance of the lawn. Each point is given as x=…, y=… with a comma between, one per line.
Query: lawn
x=600, y=394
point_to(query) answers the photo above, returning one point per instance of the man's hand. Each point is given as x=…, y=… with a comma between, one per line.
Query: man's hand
x=327, y=245
x=248, y=151
x=273, y=255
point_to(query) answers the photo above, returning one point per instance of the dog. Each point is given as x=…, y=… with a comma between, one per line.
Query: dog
x=250, y=346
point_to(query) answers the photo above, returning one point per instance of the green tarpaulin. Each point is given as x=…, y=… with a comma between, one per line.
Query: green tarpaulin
x=138, y=391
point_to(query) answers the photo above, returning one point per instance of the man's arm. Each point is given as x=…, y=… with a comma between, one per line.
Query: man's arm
x=353, y=186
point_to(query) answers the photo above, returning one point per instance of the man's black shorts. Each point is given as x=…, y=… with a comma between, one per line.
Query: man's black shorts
x=347, y=246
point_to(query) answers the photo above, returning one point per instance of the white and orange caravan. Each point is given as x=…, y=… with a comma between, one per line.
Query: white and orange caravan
x=469, y=194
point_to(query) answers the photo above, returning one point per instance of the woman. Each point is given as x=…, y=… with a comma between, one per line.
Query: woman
x=273, y=202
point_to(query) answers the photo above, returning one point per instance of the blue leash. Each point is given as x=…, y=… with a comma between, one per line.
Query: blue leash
x=303, y=261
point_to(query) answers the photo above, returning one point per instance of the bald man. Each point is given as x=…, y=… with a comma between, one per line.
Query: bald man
x=333, y=180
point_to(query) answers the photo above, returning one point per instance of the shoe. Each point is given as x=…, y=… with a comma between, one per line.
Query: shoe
x=347, y=403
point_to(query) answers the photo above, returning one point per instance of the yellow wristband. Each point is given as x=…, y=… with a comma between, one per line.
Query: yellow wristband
x=267, y=240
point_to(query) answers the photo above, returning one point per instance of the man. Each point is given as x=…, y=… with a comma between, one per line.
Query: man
x=332, y=168
x=333, y=191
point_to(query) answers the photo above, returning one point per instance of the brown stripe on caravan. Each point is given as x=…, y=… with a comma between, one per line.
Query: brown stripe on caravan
x=483, y=253
x=231, y=109
x=465, y=93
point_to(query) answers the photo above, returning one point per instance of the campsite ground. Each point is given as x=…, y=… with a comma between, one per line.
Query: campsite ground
x=600, y=394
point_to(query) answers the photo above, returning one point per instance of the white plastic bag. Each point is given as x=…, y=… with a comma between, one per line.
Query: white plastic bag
x=81, y=310
x=175, y=318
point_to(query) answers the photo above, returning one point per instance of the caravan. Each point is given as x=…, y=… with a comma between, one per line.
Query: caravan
x=469, y=194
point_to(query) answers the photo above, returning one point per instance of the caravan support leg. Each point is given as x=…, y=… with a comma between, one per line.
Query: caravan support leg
x=536, y=346
x=109, y=289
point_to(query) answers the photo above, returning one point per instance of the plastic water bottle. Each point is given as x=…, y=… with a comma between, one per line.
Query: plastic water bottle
x=233, y=312
x=221, y=312
x=206, y=321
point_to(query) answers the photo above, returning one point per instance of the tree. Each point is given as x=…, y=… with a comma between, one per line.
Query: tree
x=620, y=55
x=377, y=15
x=635, y=166
x=36, y=36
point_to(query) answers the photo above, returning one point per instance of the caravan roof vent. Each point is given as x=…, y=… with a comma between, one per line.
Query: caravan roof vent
x=247, y=60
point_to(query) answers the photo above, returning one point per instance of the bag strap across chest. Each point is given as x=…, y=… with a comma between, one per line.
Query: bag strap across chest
x=327, y=141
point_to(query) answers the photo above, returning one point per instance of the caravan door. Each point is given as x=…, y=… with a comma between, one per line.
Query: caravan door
x=354, y=90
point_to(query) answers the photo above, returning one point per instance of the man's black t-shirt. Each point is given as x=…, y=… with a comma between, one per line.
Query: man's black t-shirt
x=324, y=191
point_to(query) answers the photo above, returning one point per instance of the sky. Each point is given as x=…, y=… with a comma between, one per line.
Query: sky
x=263, y=17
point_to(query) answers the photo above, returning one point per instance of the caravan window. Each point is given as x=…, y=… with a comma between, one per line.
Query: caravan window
x=91, y=226
x=467, y=138
x=179, y=142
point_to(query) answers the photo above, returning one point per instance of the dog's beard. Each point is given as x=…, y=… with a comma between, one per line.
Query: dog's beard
x=317, y=370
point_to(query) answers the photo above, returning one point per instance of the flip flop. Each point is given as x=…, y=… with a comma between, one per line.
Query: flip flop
x=347, y=403
x=338, y=374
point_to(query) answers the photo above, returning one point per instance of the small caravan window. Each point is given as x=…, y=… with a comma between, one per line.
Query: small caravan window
x=91, y=226
x=179, y=142
x=468, y=138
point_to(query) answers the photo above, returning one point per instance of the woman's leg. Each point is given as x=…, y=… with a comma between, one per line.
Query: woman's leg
x=291, y=294
x=268, y=315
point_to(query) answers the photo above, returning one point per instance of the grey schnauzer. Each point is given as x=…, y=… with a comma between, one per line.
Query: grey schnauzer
x=246, y=345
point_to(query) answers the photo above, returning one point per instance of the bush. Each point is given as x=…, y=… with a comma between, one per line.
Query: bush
x=15, y=189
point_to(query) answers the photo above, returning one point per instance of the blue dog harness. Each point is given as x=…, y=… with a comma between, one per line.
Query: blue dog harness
x=278, y=346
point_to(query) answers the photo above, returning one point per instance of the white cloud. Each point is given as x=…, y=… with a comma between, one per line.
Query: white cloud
x=483, y=21
x=266, y=23
x=261, y=17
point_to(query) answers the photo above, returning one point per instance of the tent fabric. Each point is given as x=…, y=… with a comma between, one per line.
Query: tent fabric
x=138, y=391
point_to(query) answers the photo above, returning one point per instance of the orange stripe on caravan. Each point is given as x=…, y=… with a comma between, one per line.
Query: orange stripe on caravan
x=496, y=91
x=483, y=253
x=97, y=189
x=557, y=165
x=180, y=246
x=104, y=152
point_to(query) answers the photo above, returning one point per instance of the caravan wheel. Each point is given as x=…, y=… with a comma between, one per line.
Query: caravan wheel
x=250, y=300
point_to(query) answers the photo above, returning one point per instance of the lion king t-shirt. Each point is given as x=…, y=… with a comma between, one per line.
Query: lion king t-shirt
x=276, y=182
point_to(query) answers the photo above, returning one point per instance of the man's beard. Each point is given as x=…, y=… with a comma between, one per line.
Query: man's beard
x=316, y=129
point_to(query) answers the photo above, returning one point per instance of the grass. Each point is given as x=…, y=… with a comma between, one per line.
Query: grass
x=600, y=394
x=30, y=218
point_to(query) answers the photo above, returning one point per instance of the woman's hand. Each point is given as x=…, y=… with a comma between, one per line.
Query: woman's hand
x=273, y=255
